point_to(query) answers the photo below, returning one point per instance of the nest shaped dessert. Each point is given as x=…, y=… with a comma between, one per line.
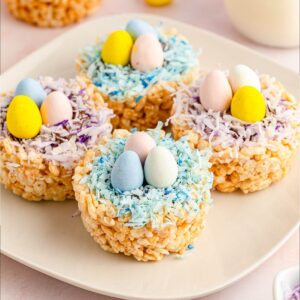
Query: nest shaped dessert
x=51, y=13
x=146, y=222
x=247, y=156
x=138, y=98
x=41, y=168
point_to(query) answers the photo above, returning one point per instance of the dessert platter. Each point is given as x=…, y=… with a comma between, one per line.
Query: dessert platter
x=170, y=168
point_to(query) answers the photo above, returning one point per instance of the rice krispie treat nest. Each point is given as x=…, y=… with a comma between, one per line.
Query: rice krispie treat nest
x=246, y=156
x=141, y=99
x=41, y=168
x=146, y=222
x=51, y=13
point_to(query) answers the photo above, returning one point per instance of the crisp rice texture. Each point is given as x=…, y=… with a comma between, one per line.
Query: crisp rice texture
x=139, y=99
x=245, y=156
x=42, y=167
x=51, y=13
x=146, y=223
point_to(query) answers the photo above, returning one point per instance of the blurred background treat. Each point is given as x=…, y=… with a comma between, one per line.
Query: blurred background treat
x=159, y=2
x=51, y=13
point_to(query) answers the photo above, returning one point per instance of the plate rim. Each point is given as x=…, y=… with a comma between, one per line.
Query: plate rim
x=227, y=283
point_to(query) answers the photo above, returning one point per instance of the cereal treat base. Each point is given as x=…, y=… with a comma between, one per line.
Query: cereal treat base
x=51, y=13
x=255, y=168
x=112, y=233
x=145, y=112
x=30, y=176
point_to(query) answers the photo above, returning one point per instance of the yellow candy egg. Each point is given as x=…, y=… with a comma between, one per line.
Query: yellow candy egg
x=23, y=117
x=158, y=2
x=117, y=48
x=248, y=105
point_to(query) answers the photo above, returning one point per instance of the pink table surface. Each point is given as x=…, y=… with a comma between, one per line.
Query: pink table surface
x=19, y=39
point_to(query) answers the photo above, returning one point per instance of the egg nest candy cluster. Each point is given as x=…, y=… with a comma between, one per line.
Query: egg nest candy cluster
x=41, y=168
x=147, y=222
x=141, y=99
x=246, y=156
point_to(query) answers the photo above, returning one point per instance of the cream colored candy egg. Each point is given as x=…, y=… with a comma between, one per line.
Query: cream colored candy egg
x=215, y=91
x=56, y=108
x=160, y=169
x=147, y=53
x=141, y=143
x=242, y=75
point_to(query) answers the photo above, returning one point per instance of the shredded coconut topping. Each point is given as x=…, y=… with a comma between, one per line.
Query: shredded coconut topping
x=120, y=82
x=66, y=142
x=147, y=203
x=282, y=121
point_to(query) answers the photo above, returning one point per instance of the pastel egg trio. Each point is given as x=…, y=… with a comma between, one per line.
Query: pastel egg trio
x=138, y=44
x=240, y=91
x=160, y=168
x=31, y=107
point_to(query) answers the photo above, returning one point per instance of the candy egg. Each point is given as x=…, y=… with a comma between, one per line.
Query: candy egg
x=23, y=118
x=215, y=91
x=248, y=105
x=141, y=143
x=161, y=169
x=32, y=89
x=147, y=53
x=127, y=172
x=117, y=48
x=241, y=75
x=56, y=108
x=138, y=27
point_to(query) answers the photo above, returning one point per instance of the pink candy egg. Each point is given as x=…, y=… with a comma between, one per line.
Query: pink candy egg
x=56, y=108
x=141, y=143
x=215, y=92
x=147, y=53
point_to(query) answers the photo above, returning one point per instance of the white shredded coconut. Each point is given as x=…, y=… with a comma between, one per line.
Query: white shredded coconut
x=66, y=142
x=222, y=129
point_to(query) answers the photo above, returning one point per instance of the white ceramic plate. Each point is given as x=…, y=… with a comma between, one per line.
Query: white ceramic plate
x=242, y=230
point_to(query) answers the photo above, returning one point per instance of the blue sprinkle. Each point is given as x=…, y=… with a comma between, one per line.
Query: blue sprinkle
x=179, y=161
x=150, y=77
x=133, y=130
x=190, y=247
x=145, y=84
x=96, y=83
x=138, y=98
x=113, y=93
x=168, y=190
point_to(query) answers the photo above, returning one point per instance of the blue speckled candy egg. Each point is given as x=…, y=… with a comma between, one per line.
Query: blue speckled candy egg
x=127, y=172
x=32, y=89
x=137, y=27
x=161, y=169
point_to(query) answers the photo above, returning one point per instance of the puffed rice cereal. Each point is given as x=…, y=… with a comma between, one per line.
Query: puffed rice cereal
x=51, y=13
